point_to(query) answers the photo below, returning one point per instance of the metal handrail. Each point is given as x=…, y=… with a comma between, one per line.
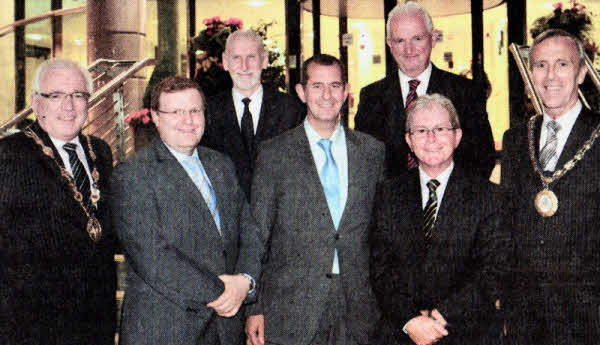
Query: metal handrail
x=6, y=29
x=119, y=79
x=96, y=96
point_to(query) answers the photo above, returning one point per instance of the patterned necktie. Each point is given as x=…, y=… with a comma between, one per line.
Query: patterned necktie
x=330, y=180
x=410, y=100
x=549, y=150
x=198, y=175
x=412, y=93
x=82, y=182
x=248, y=128
x=430, y=208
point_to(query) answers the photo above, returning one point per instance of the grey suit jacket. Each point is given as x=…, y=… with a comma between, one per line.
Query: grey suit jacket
x=290, y=206
x=174, y=248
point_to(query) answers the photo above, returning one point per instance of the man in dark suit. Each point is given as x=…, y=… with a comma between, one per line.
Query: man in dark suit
x=437, y=276
x=312, y=196
x=239, y=119
x=186, y=228
x=551, y=167
x=382, y=108
x=58, y=273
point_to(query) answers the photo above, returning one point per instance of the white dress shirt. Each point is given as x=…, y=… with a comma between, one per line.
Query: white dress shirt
x=340, y=155
x=423, y=78
x=442, y=179
x=254, y=106
x=566, y=122
x=64, y=155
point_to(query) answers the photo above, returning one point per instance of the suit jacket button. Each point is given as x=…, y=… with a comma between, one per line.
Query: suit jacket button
x=328, y=275
x=337, y=236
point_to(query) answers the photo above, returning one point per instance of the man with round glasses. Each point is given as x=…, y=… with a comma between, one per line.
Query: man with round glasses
x=58, y=272
x=437, y=276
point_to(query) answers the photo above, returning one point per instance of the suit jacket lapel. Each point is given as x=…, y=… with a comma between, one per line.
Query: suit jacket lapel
x=309, y=180
x=264, y=120
x=218, y=183
x=356, y=168
x=435, y=83
x=580, y=133
x=453, y=195
x=173, y=175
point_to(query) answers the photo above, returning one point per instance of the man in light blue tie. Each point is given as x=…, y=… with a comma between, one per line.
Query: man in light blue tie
x=187, y=231
x=312, y=195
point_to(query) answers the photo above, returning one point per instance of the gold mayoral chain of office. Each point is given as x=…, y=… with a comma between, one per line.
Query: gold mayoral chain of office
x=546, y=202
x=94, y=229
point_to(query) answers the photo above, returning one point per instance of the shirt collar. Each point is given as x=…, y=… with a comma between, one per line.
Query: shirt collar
x=255, y=98
x=423, y=77
x=59, y=143
x=181, y=156
x=314, y=137
x=442, y=178
x=566, y=120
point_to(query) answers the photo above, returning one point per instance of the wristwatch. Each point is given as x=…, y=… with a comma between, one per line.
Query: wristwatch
x=252, y=284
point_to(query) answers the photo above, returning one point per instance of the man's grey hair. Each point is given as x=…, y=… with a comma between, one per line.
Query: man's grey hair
x=410, y=7
x=50, y=64
x=247, y=34
x=426, y=101
x=558, y=33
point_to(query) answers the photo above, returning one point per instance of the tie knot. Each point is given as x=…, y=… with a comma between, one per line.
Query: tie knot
x=70, y=147
x=553, y=126
x=246, y=101
x=413, y=83
x=325, y=145
x=432, y=185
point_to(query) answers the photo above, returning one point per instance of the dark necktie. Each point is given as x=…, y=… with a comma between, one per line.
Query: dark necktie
x=248, y=128
x=82, y=182
x=410, y=100
x=430, y=208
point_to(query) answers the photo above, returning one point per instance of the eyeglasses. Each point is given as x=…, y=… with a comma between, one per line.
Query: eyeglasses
x=59, y=97
x=436, y=131
x=180, y=112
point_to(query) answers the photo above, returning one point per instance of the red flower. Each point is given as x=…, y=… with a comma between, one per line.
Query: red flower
x=142, y=115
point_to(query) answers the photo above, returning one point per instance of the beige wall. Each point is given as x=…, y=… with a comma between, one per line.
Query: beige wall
x=7, y=64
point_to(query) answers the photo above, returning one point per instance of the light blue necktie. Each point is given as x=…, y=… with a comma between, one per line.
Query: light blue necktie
x=330, y=179
x=198, y=175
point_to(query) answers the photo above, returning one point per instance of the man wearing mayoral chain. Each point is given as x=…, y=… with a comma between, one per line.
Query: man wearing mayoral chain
x=550, y=169
x=58, y=277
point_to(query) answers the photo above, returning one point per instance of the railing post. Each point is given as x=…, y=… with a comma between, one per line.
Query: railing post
x=119, y=109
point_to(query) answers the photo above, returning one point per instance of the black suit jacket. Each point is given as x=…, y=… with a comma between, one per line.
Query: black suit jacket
x=458, y=271
x=381, y=114
x=278, y=113
x=57, y=286
x=554, y=297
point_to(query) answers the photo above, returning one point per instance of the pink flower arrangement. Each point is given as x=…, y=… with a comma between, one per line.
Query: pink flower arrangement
x=557, y=5
x=141, y=116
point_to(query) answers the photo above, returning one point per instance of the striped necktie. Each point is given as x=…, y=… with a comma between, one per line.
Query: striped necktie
x=412, y=93
x=431, y=208
x=410, y=100
x=200, y=178
x=82, y=182
x=549, y=150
